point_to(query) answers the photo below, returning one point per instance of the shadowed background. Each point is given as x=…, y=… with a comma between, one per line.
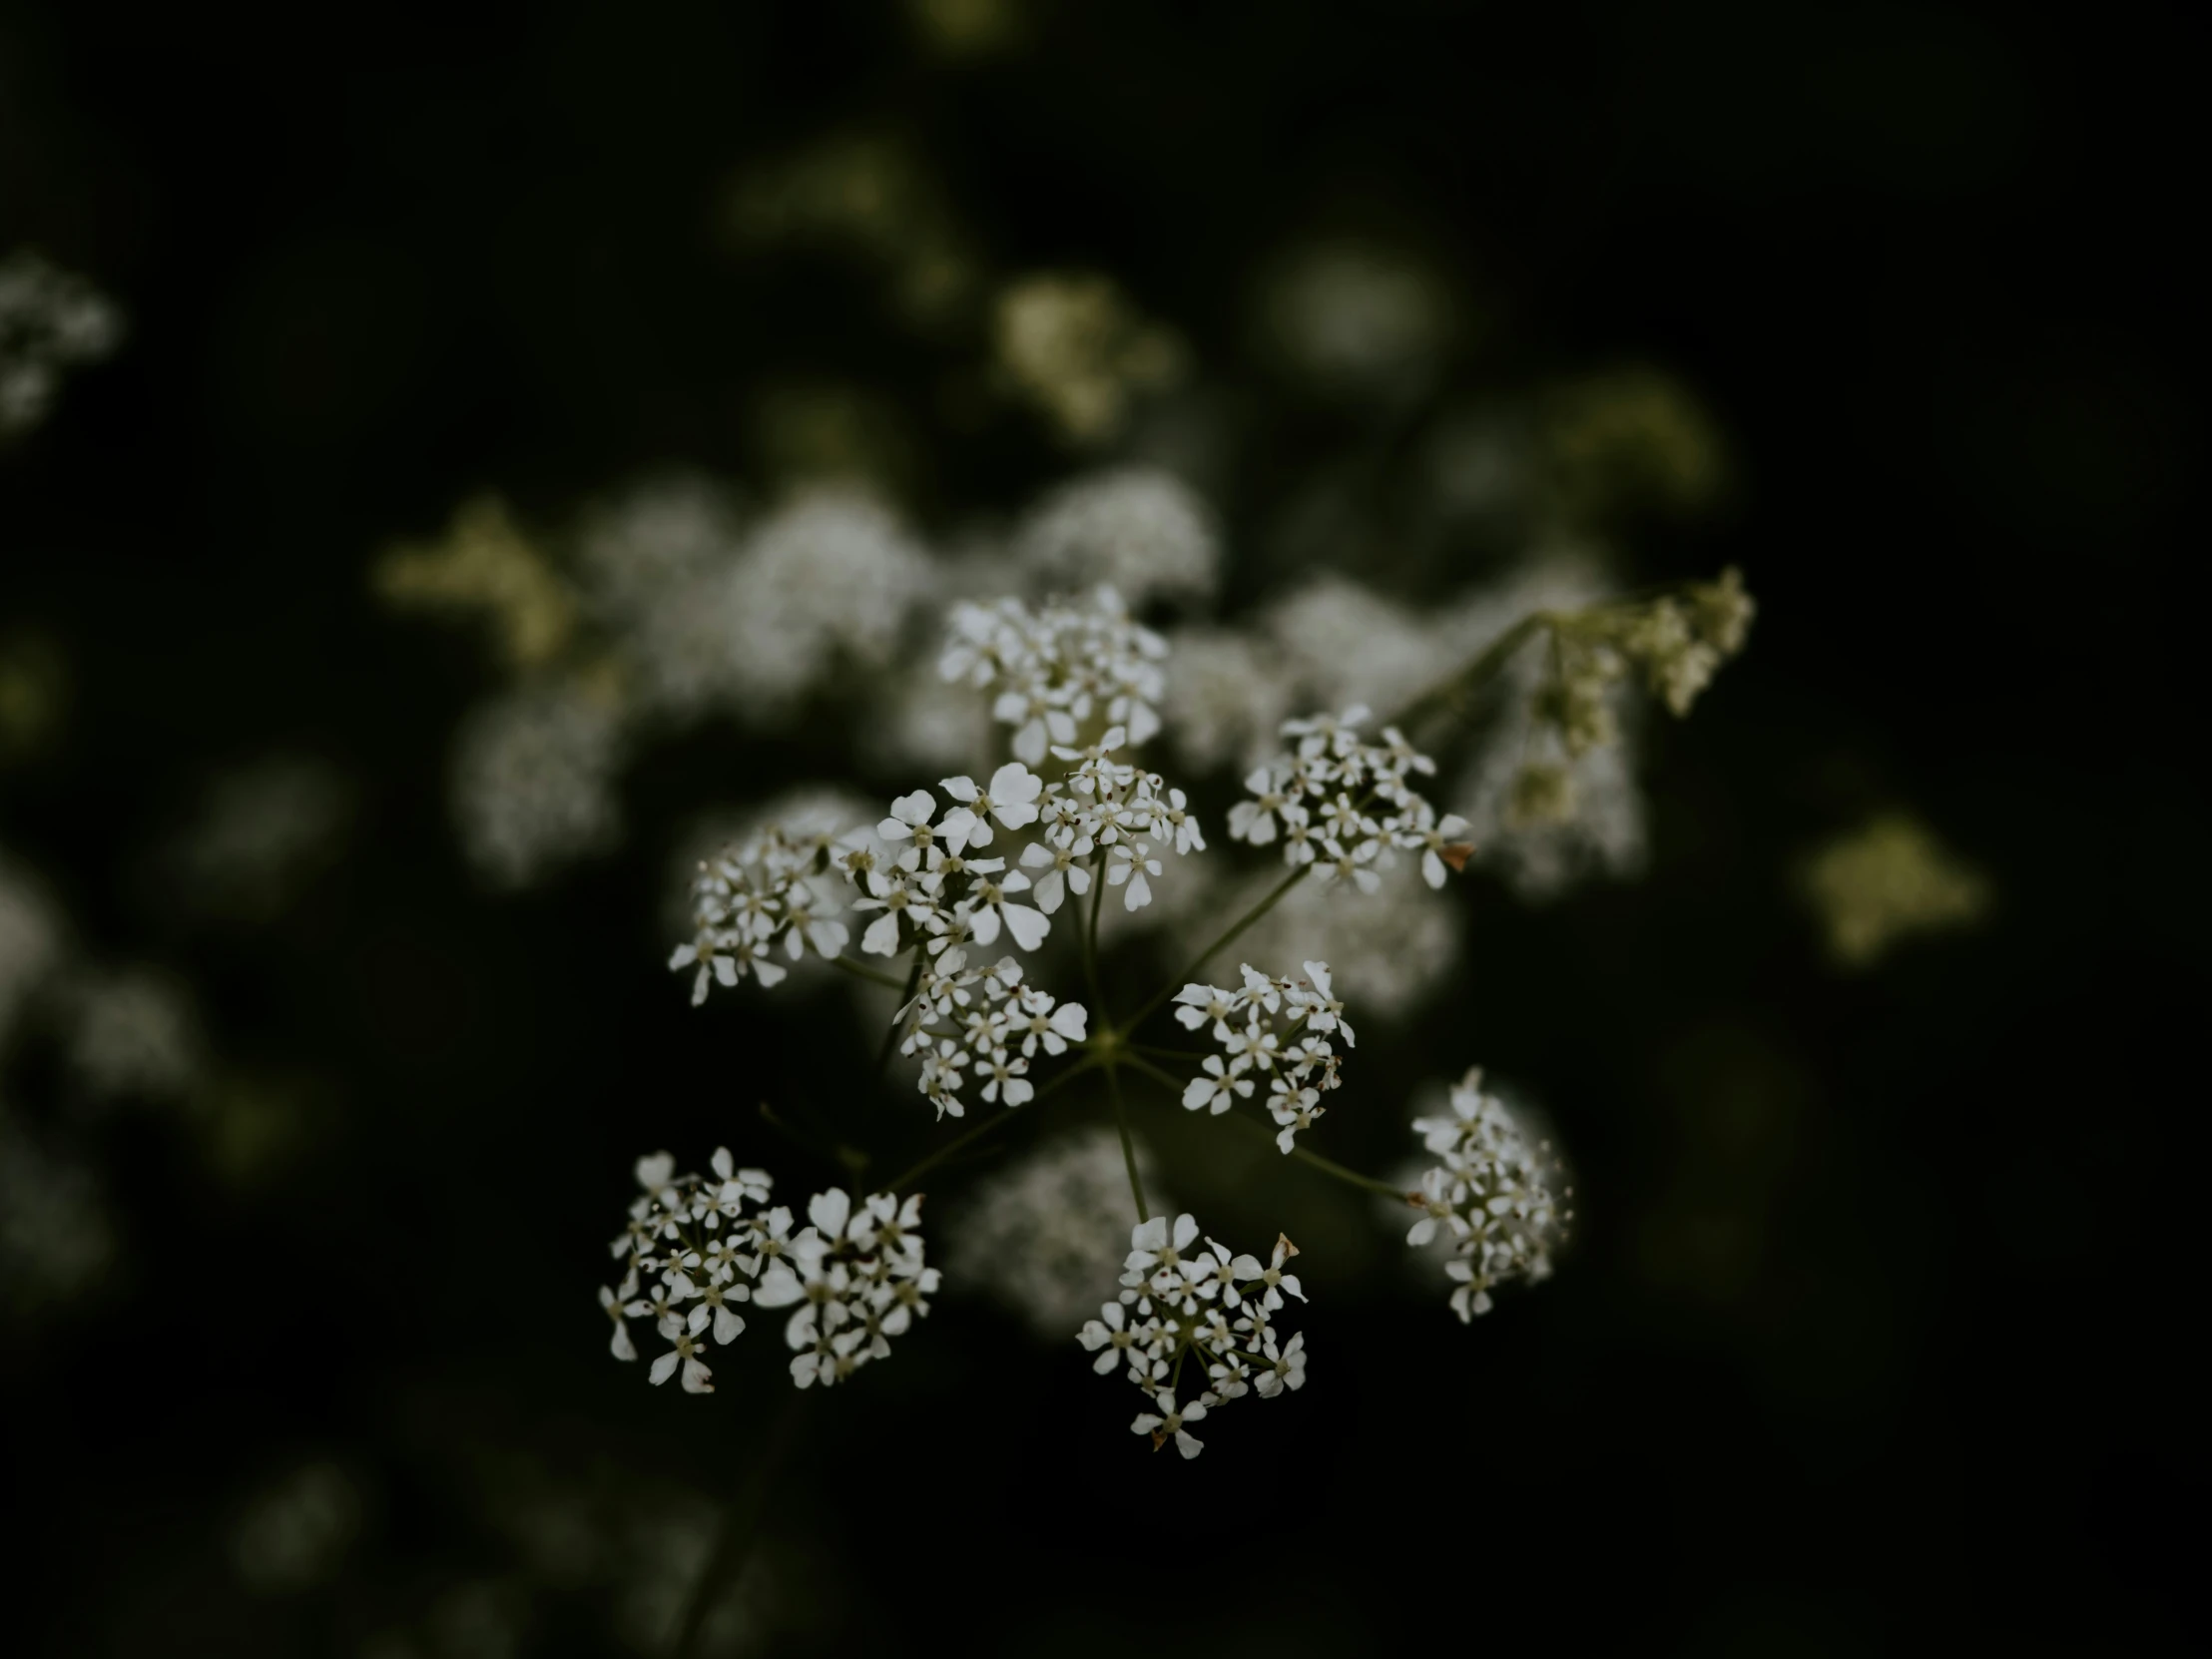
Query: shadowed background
x=1865, y=1328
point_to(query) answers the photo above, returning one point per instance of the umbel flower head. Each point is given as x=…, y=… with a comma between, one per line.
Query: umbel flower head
x=698, y=1248
x=1058, y=666
x=1194, y=1328
x=1492, y=1195
x=967, y=879
x=1345, y=807
x=1273, y=1029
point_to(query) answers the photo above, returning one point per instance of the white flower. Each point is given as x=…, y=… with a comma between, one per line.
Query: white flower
x=1131, y=862
x=1277, y=1283
x=1215, y=1089
x=621, y=1347
x=1108, y=1336
x=906, y=832
x=1169, y=1422
x=697, y=1380
x=1010, y=799
x=1286, y=1369
x=1062, y=873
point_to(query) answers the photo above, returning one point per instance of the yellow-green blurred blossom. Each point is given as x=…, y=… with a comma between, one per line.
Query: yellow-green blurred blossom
x=34, y=690
x=1070, y=344
x=485, y=564
x=1887, y=881
x=967, y=27
x=866, y=195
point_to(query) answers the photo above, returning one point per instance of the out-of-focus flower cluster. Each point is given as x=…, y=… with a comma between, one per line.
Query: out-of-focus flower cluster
x=697, y=1248
x=1200, y=1309
x=1046, y=1234
x=1278, y=1030
x=1885, y=883
x=1073, y=347
x=1137, y=530
x=657, y=611
x=984, y=1021
x=1493, y=1196
x=50, y=322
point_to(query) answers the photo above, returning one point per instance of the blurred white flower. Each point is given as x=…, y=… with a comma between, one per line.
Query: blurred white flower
x=260, y=834
x=294, y=1532
x=31, y=941
x=1356, y=319
x=55, y=1237
x=1045, y=1235
x=50, y=322
x=653, y=540
x=826, y=581
x=533, y=784
x=1139, y=530
x=130, y=1033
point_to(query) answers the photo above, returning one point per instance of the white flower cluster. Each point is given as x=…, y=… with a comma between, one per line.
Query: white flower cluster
x=1492, y=1195
x=1344, y=805
x=775, y=884
x=1059, y=667
x=919, y=873
x=987, y=1020
x=697, y=1246
x=1178, y=1303
x=1275, y=1028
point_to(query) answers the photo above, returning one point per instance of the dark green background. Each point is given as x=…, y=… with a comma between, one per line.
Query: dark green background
x=1929, y=268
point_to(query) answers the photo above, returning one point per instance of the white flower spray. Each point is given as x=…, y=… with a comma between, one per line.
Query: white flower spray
x=969, y=882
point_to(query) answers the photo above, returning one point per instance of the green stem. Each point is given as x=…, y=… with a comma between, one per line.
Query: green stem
x=1128, y=1142
x=1327, y=1165
x=1090, y=940
x=860, y=970
x=1456, y=685
x=959, y=1143
x=890, y=1037
x=1227, y=939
